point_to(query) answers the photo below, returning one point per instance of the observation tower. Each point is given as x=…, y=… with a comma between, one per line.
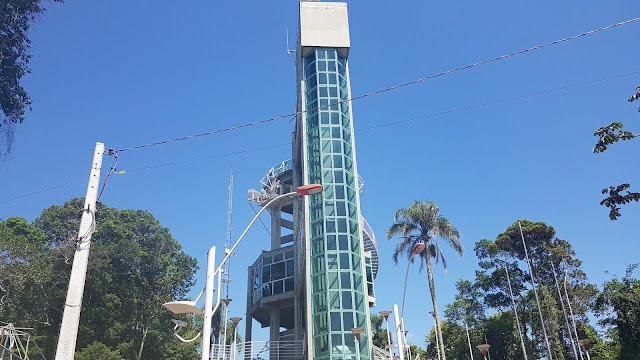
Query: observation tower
x=313, y=287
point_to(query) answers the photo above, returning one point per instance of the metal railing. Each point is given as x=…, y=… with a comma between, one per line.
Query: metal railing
x=259, y=350
x=380, y=354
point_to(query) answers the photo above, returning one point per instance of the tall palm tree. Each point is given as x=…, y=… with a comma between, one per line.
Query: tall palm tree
x=421, y=222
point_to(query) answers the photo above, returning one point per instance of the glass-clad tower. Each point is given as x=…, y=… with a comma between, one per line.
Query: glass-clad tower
x=315, y=283
x=336, y=291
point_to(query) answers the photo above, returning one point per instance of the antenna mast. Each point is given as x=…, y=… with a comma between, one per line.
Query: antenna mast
x=227, y=244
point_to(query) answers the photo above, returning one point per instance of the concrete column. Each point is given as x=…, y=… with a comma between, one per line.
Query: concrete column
x=276, y=229
x=274, y=327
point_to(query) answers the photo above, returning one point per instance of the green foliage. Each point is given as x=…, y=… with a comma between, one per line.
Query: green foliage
x=615, y=198
x=16, y=17
x=97, y=351
x=467, y=307
x=135, y=266
x=422, y=222
x=619, y=307
x=609, y=135
x=490, y=292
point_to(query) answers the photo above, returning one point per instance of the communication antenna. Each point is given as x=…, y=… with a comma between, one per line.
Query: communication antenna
x=289, y=51
x=227, y=249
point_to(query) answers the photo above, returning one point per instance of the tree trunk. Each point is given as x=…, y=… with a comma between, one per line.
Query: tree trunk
x=145, y=331
x=432, y=289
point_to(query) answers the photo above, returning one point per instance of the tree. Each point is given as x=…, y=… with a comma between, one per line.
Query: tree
x=619, y=307
x=544, y=249
x=97, y=351
x=135, y=266
x=16, y=17
x=421, y=222
x=609, y=135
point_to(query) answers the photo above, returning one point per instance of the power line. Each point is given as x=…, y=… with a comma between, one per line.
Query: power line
x=390, y=88
x=463, y=108
x=44, y=190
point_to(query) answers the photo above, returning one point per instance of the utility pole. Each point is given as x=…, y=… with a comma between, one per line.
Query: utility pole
x=73, y=304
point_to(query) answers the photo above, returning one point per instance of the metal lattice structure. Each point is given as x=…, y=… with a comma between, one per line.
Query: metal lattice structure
x=14, y=343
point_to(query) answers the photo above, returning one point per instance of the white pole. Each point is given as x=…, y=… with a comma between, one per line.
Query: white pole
x=71, y=315
x=357, y=345
x=469, y=341
x=389, y=340
x=208, y=304
x=535, y=292
x=515, y=313
x=235, y=341
x=573, y=319
x=564, y=312
x=396, y=317
x=226, y=314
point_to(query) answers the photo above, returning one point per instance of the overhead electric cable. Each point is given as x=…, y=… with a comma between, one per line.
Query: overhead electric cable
x=469, y=107
x=44, y=190
x=390, y=88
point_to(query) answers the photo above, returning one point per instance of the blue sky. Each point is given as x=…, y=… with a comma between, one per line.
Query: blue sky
x=127, y=73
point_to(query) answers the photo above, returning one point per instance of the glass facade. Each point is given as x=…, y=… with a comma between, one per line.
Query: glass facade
x=338, y=287
x=273, y=273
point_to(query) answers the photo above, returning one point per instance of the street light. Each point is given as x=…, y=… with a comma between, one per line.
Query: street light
x=386, y=314
x=484, y=349
x=235, y=320
x=417, y=249
x=182, y=307
x=356, y=332
x=585, y=345
x=223, y=340
x=433, y=314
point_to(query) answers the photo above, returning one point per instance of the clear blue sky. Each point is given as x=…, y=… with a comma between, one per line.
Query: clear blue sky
x=126, y=73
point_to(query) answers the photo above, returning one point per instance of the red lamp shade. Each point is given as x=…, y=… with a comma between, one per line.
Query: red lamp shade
x=309, y=189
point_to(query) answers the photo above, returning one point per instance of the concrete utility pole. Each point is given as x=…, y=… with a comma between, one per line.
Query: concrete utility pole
x=73, y=304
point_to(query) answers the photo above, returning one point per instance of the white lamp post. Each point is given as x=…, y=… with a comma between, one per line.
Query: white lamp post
x=585, y=345
x=223, y=341
x=356, y=340
x=417, y=249
x=484, y=349
x=184, y=307
x=235, y=320
x=386, y=314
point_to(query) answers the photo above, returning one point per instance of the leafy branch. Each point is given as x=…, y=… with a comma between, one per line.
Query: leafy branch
x=609, y=135
x=615, y=198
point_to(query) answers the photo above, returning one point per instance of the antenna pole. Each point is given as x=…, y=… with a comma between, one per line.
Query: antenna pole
x=227, y=245
x=71, y=316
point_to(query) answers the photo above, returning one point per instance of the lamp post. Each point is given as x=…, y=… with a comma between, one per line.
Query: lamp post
x=585, y=345
x=356, y=340
x=386, y=314
x=184, y=307
x=417, y=249
x=433, y=314
x=235, y=320
x=226, y=302
x=484, y=349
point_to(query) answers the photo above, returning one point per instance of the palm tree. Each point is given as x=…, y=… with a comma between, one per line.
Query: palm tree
x=421, y=222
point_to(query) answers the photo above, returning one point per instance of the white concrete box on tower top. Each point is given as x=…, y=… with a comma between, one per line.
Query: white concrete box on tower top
x=324, y=24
